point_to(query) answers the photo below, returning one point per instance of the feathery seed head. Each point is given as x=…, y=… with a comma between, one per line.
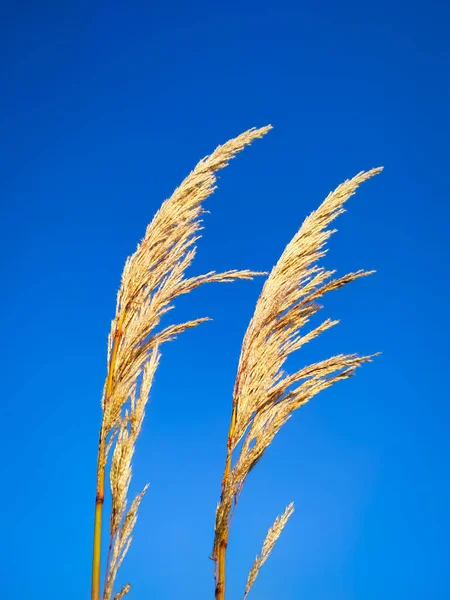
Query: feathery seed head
x=265, y=396
x=153, y=277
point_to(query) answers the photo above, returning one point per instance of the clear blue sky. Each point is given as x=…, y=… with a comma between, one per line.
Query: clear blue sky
x=105, y=107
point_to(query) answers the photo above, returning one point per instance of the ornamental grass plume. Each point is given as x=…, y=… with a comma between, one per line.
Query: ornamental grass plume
x=152, y=278
x=264, y=396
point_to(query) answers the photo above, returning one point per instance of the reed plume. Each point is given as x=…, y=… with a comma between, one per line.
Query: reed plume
x=272, y=535
x=264, y=396
x=152, y=278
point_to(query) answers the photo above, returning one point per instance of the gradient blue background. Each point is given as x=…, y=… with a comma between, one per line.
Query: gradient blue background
x=105, y=107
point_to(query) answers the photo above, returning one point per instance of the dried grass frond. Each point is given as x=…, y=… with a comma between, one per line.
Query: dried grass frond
x=122, y=543
x=126, y=588
x=153, y=277
x=286, y=304
x=264, y=395
x=125, y=442
x=272, y=535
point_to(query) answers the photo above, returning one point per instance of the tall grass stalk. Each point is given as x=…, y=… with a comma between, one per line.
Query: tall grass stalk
x=264, y=396
x=152, y=278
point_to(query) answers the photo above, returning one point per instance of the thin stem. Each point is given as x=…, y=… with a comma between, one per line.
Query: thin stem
x=221, y=544
x=99, y=499
x=100, y=491
x=221, y=560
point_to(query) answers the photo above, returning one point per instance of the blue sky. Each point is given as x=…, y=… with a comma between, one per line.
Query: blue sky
x=105, y=107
